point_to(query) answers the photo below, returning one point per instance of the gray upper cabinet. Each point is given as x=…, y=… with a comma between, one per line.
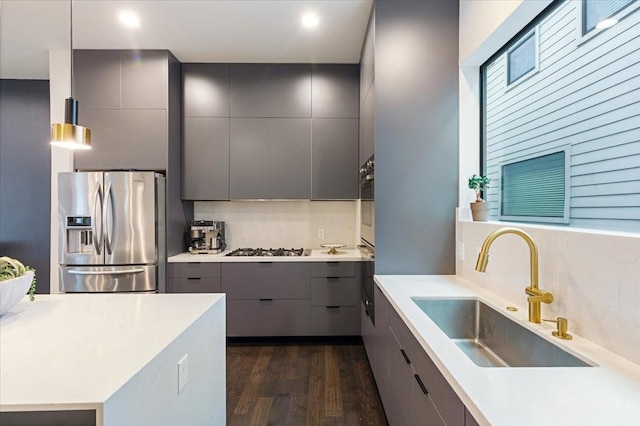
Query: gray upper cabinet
x=367, y=129
x=249, y=90
x=290, y=91
x=96, y=79
x=290, y=158
x=248, y=158
x=270, y=158
x=335, y=91
x=205, y=156
x=144, y=77
x=206, y=130
x=334, y=159
x=124, y=97
x=367, y=61
x=268, y=90
x=105, y=150
x=206, y=90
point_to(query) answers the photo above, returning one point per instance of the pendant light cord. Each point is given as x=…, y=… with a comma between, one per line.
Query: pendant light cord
x=71, y=46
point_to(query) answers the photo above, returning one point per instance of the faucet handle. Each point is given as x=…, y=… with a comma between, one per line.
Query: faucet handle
x=561, y=332
x=537, y=295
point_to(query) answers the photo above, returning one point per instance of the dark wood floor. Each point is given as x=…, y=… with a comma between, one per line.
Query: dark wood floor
x=309, y=384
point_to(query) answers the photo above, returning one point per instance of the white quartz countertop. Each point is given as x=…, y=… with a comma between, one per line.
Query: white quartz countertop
x=607, y=394
x=317, y=255
x=76, y=350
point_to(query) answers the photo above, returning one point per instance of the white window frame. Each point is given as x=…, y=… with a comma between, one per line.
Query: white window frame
x=530, y=73
x=583, y=38
x=565, y=219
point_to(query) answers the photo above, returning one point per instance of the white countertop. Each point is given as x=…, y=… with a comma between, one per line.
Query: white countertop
x=607, y=394
x=317, y=255
x=76, y=350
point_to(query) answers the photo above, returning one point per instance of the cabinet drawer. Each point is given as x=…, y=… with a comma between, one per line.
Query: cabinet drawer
x=335, y=291
x=267, y=318
x=333, y=269
x=193, y=285
x=335, y=321
x=445, y=399
x=266, y=280
x=193, y=269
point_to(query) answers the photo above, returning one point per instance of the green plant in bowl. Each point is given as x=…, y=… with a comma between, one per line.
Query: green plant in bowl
x=11, y=269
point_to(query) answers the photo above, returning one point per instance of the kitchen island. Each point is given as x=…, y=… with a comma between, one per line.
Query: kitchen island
x=113, y=359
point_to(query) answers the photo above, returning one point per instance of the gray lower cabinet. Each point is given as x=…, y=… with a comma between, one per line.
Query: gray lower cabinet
x=270, y=158
x=366, y=331
x=205, y=158
x=195, y=277
x=410, y=385
x=335, y=299
x=334, y=166
x=266, y=298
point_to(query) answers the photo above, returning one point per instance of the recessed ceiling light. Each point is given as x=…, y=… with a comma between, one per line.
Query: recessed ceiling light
x=606, y=23
x=129, y=19
x=310, y=20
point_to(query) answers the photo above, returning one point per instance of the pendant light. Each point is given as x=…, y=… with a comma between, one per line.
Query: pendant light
x=68, y=134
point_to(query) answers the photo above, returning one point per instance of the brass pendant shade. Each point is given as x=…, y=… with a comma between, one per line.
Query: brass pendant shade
x=68, y=134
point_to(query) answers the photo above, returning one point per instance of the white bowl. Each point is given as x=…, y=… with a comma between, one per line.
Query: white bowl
x=12, y=291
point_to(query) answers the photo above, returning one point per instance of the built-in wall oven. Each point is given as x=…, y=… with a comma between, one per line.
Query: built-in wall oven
x=367, y=235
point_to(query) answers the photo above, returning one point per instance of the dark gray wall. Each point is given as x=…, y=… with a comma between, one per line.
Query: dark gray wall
x=416, y=136
x=25, y=175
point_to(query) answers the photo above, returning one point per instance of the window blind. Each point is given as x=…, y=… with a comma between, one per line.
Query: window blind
x=598, y=10
x=534, y=187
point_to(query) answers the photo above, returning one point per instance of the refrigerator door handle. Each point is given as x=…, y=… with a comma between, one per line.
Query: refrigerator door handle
x=122, y=272
x=108, y=207
x=97, y=235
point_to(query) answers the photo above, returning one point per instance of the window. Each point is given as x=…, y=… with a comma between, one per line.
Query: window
x=521, y=59
x=575, y=126
x=535, y=189
x=594, y=11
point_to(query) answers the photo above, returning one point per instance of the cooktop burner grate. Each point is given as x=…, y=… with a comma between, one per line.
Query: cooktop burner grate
x=267, y=252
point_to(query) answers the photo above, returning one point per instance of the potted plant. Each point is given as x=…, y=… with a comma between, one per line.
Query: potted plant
x=479, y=208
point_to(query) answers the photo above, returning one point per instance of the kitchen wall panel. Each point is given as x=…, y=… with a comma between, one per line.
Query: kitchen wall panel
x=416, y=136
x=25, y=175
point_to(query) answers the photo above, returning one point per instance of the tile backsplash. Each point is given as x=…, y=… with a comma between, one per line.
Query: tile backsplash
x=594, y=277
x=283, y=223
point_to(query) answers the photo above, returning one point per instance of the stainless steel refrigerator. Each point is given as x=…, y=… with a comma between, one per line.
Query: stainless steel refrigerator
x=111, y=228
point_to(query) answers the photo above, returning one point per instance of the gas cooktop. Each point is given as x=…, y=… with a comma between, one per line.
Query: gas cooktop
x=269, y=252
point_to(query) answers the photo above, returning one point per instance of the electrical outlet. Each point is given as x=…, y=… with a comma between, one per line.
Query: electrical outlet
x=461, y=252
x=321, y=233
x=183, y=372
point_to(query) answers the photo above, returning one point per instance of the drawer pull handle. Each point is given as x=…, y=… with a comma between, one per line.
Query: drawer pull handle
x=332, y=263
x=266, y=300
x=424, y=389
x=265, y=263
x=333, y=307
x=193, y=263
x=366, y=312
x=194, y=278
x=406, y=357
x=333, y=278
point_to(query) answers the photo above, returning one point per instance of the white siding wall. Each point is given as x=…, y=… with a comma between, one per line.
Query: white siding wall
x=587, y=95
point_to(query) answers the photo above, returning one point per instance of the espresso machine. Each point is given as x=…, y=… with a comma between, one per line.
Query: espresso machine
x=207, y=237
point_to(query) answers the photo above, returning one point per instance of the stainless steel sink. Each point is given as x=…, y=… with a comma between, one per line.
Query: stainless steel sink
x=490, y=339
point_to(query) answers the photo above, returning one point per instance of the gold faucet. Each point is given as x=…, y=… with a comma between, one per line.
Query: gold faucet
x=535, y=295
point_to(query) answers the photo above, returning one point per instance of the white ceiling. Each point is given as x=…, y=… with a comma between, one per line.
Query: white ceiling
x=194, y=31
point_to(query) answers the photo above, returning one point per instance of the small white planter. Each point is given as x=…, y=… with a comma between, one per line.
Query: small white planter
x=12, y=291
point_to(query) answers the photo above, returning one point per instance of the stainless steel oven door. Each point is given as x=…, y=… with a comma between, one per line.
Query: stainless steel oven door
x=367, y=213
